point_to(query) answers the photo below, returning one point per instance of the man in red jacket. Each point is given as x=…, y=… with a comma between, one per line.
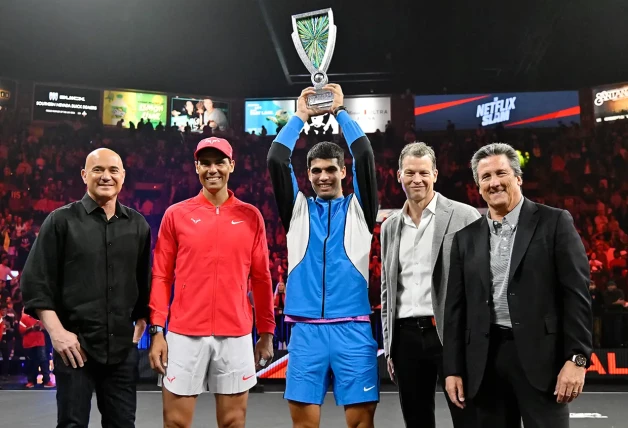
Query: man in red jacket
x=210, y=246
x=34, y=344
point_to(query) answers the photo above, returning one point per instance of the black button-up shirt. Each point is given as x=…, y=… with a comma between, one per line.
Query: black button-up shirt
x=94, y=273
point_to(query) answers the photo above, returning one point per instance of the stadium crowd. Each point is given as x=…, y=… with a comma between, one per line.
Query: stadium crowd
x=566, y=167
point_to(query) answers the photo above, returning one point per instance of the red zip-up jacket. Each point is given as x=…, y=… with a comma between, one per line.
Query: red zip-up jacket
x=30, y=338
x=210, y=252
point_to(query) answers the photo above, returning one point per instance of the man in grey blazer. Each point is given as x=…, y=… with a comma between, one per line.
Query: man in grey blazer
x=416, y=243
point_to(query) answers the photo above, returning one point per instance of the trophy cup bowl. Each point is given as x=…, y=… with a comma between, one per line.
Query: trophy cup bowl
x=314, y=38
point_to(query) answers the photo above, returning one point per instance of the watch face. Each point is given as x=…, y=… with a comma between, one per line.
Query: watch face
x=581, y=361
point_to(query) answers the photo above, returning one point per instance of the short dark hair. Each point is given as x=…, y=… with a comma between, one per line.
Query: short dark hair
x=418, y=150
x=326, y=150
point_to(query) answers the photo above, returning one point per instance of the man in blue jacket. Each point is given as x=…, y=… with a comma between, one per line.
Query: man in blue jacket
x=329, y=240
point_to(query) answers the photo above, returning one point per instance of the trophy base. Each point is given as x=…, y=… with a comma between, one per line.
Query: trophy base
x=320, y=100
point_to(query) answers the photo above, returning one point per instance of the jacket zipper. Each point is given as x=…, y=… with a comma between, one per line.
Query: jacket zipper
x=325, y=255
x=215, y=284
x=181, y=298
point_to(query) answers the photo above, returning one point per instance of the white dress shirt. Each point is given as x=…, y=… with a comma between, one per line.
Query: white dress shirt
x=414, y=288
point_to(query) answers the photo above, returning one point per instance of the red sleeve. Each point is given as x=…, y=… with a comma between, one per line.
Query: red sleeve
x=163, y=271
x=261, y=282
x=25, y=322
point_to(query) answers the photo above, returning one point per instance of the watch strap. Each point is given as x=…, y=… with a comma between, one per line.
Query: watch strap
x=154, y=329
x=338, y=110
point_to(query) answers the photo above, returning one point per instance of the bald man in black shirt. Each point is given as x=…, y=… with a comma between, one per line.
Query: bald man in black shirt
x=87, y=279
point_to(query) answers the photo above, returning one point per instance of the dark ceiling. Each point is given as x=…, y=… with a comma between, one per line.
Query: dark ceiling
x=235, y=48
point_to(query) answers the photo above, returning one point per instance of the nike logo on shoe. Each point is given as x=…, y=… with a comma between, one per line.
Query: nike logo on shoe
x=247, y=378
x=195, y=221
x=237, y=222
x=368, y=389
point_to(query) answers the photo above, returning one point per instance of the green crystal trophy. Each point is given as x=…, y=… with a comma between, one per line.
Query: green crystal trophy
x=314, y=38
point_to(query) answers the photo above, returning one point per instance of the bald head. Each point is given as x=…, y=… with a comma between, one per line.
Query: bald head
x=103, y=174
x=103, y=155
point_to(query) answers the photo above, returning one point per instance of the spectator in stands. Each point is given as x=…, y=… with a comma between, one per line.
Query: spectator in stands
x=6, y=274
x=149, y=128
x=613, y=319
x=613, y=297
x=24, y=168
x=618, y=264
x=588, y=158
x=146, y=208
x=34, y=344
x=597, y=304
x=22, y=252
x=6, y=345
x=280, y=301
x=2, y=352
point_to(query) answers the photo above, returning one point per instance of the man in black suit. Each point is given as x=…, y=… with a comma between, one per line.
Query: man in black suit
x=518, y=320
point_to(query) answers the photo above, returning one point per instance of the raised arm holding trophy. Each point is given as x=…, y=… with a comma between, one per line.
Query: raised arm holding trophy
x=328, y=239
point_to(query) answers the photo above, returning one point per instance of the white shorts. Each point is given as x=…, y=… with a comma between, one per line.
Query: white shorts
x=196, y=364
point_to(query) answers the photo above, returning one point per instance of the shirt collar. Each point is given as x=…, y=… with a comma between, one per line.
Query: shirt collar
x=430, y=208
x=201, y=199
x=333, y=201
x=512, y=218
x=90, y=206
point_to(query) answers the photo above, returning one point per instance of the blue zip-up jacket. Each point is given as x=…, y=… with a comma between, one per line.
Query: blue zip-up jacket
x=329, y=241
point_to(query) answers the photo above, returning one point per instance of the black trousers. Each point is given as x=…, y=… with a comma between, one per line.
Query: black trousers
x=417, y=355
x=115, y=387
x=280, y=330
x=37, y=358
x=506, y=396
x=6, y=347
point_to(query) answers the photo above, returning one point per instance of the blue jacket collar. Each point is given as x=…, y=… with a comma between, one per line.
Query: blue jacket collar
x=333, y=201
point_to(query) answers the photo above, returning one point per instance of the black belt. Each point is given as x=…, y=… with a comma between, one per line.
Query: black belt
x=502, y=333
x=420, y=322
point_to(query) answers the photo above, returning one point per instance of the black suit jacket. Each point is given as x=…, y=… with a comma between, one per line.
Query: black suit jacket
x=548, y=298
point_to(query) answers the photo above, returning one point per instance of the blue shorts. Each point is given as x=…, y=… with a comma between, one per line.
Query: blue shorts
x=343, y=353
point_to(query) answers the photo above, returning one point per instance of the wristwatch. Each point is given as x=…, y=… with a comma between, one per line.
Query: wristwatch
x=579, y=360
x=338, y=110
x=154, y=329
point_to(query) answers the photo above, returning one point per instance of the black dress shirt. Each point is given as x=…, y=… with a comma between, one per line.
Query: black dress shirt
x=94, y=273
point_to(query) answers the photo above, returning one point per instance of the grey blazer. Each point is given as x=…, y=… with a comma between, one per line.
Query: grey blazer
x=451, y=216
